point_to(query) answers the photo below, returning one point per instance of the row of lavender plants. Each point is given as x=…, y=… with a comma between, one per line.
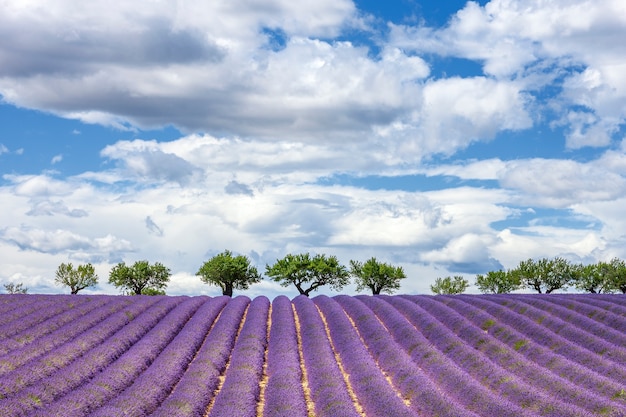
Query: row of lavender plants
x=454, y=356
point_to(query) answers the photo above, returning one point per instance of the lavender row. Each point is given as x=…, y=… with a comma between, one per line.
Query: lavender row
x=62, y=356
x=567, y=354
x=425, y=397
x=375, y=394
x=17, y=307
x=468, y=323
x=450, y=377
x=478, y=366
x=156, y=382
x=239, y=395
x=597, y=310
x=33, y=324
x=509, y=327
x=64, y=334
x=284, y=395
x=123, y=371
x=194, y=391
x=614, y=313
x=328, y=389
x=87, y=366
x=578, y=328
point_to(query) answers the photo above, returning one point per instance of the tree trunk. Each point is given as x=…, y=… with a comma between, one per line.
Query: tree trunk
x=228, y=290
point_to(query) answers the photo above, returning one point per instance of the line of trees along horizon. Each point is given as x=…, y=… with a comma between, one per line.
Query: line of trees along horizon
x=307, y=273
x=544, y=276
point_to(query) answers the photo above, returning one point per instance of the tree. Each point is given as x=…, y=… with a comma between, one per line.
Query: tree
x=301, y=270
x=18, y=288
x=593, y=278
x=449, y=285
x=378, y=277
x=497, y=282
x=545, y=275
x=140, y=278
x=229, y=272
x=84, y=276
x=616, y=275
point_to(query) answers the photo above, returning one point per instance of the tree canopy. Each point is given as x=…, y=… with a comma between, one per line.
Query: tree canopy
x=377, y=276
x=13, y=288
x=309, y=273
x=545, y=275
x=449, y=285
x=140, y=278
x=84, y=276
x=229, y=272
x=497, y=282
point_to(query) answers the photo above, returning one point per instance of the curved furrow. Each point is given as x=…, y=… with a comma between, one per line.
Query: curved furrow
x=240, y=393
x=376, y=395
x=16, y=308
x=452, y=379
x=123, y=371
x=197, y=386
x=481, y=331
x=284, y=393
x=610, y=322
x=54, y=360
x=405, y=375
x=87, y=366
x=156, y=382
x=329, y=391
x=57, y=332
x=430, y=318
x=46, y=320
x=527, y=318
x=618, y=299
x=577, y=328
x=549, y=350
x=601, y=301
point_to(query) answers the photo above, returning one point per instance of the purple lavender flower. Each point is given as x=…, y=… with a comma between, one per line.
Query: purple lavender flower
x=284, y=394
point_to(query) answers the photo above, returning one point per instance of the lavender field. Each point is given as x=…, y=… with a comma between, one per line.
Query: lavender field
x=463, y=355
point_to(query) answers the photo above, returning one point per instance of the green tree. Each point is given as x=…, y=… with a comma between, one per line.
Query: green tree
x=616, y=276
x=545, y=275
x=229, y=272
x=450, y=285
x=84, y=276
x=378, y=277
x=497, y=282
x=140, y=278
x=18, y=288
x=593, y=278
x=309, y=273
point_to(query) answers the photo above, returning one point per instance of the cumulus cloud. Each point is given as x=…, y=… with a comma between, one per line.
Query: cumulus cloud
x=50, y=208
x=57, y=241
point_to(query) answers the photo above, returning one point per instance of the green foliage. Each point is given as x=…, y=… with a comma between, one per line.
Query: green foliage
x=497, y=282
x=140, y=277
x=378, y=277
x=84, y=276
x=152, y=291
x=18, y=288
x=229, y=272
x=309, y=273
x=545, y=275
x=450, y=285
x=593, y=278
x=616, y=275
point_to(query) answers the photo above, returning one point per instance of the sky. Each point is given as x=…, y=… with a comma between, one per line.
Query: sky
x=449, y=138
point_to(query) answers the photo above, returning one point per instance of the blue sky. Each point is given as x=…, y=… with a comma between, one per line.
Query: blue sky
x=450, y=138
